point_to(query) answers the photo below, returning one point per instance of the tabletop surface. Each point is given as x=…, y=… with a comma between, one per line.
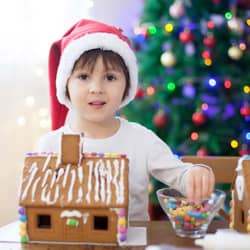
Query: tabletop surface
x=158, y=233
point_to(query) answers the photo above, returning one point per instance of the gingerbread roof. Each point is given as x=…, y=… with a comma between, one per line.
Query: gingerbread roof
x=97, y=180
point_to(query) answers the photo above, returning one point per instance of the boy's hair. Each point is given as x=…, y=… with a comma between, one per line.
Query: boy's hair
x=110, y=60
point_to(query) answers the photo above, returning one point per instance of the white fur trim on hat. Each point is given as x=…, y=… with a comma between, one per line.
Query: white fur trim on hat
x=105, y=41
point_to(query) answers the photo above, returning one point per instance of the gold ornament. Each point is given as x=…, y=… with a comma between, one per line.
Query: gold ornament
x=168, y=59
x=234, y=52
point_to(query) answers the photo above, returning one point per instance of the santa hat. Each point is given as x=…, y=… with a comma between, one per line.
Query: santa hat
x=83, y=36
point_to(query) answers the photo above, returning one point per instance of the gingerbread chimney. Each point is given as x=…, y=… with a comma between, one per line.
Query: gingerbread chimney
x=71, y=149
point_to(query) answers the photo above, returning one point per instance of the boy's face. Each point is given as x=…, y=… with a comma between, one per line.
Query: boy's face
x=96, y=94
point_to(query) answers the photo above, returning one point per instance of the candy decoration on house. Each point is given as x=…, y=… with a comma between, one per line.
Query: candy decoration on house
x=79, y=197
x=240, y=205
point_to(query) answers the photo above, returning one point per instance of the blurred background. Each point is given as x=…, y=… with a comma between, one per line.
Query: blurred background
x=193, y=58
x=27, y=30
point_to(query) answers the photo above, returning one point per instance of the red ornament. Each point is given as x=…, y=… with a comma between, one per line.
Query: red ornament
x=206, y=54
x=209, y=41
x=199, y=118
x=186, y=36
x=202, y=152
x=140, y=93
x=245, y=110
x=244, y=150
x=160, y=119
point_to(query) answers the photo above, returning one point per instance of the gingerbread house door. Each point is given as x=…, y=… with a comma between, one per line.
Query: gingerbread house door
x=74, y=230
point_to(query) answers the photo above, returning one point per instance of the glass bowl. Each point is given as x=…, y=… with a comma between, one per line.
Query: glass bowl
x=190, y=219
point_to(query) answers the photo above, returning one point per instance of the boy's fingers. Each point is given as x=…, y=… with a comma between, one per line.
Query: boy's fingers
x=205, y=186
x=211, y=182
x=190, y=187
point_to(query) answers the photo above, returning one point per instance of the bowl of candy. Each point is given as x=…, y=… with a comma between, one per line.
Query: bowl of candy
x=190, y=219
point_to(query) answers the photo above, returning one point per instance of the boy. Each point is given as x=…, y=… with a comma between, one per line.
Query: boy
x=93, y=73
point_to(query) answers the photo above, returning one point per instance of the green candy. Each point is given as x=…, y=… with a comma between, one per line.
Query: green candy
x=24, y=239
x=72, y=223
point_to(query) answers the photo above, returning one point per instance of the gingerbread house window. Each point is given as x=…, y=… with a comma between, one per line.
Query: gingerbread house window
x=100, y=223
x=43, y=221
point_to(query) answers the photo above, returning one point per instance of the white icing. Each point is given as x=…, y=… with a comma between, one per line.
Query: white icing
x=59, y=174
x=71, y=213
x=46, y=163
x=80, y=191
x=85, y=217
x=80, y=173
x=90, y=165
x=33, y=170
x=109, y=179
x=71, y=187
x=80, y=195
x=56, y=193
x=81, y=148
x=239, y=165
x=66, y=175
x=45, y=198
x=102, y=174
x=239, y=184
x=53, y=179
x=96, y=182
x=121, y=182
x=114, y=181
x=48, y=172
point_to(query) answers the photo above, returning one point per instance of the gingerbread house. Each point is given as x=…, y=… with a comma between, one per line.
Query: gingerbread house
x=240, y=211
x=74, y=197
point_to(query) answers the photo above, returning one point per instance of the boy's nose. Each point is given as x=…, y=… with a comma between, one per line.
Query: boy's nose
x=96, y=87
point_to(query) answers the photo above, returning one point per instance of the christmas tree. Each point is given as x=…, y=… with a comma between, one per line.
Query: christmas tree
x=194, y=92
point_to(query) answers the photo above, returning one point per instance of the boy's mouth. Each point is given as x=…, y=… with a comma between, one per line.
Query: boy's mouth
x=97, y=104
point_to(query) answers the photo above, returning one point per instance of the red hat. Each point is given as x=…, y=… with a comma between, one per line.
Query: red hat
x=83, y=36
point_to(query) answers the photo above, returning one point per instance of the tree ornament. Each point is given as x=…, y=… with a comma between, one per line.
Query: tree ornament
x=140, y=93
x=244, y=150
x=209, y=41
x=186, y=36
x=176, y=10
x=199, y=118
x=202, y=152
x=234, y=52
x=168, y=59
x=190, y=49
x=245, y=110
x=160, y=119
x=236, y=25
x=188, y=90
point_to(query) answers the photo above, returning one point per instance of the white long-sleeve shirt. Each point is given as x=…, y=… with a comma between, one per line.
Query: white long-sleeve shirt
x=146, y=152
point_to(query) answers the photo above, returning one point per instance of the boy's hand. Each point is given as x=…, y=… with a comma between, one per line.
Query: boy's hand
x=200, y=183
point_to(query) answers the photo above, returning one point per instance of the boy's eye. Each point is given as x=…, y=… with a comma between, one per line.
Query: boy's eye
x=83, y=76
x=110, y=77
